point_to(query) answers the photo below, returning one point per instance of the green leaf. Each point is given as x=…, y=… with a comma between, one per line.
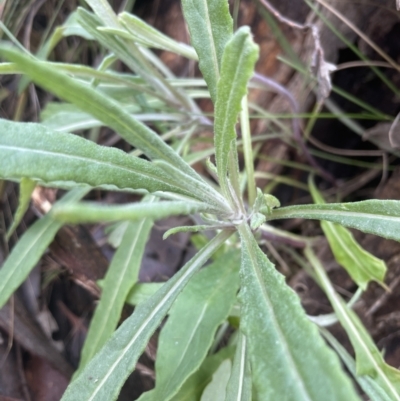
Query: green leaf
x=129, y=52
x=98, y=105
x=361, y=265
x=104, y=11
x=29, y=249
x=191, y=229
x=257, y=220
x=30, y=150
x=193, y=320
x=373, y=390
x=71, y=27
x=65, y=117
x=90, y=212
x=216, y=389
x=209, y=195
x=115, y=233
x=141, y=292
x=120, y=278
x=379, y=217
x=26, y=188
x=237, y=67
x=150, y=37
x=369, y=361
x=105, y=374
x=289, y=360
x=239, y=385
x=210, y=26
x=195, y=385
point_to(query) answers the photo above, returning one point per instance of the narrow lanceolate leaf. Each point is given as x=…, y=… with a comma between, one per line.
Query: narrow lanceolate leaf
x=195, y=385
x=104, y=11
x=26, y=188
x=90, y=212
x=193, y=229
x=379, y=217
x=31, y=150
x=105, y=374
x=179, y=176
x=29, y=249
x=66, y=117
x=141, y=292
x=148, y=36
x=289, y=360
x=239, y=385
x=120, y=278
x=237, y=67
x=361, y=265
x=216, y=389
x=193, y=320
x=210, y=26
x=369, y=360
x=370, y=386
x=98, y=105
x=128, y=52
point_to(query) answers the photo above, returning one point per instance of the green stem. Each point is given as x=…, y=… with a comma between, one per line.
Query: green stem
x=248, y=151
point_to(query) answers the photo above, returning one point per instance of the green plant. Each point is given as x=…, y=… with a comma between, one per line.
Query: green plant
x=277, y=353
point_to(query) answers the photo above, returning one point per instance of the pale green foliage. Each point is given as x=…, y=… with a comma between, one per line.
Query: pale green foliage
x=237, y=66
x=121, y=276
x=185, y=339
x=107, y=371
x=97, y=104
x=361, y=265
x=379, y=217
x=369, y=361
x=195, y=385
x=30, y=249
x=26, y=188
x=239, y=385
x=30, y=150
x=277, y=352
x=151, y=37
x=371, y=387
x=288, y=358
x=86, y=212
x=216, y=389
x=210, y=27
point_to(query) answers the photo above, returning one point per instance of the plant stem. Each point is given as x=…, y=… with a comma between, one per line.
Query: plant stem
x=248, y=151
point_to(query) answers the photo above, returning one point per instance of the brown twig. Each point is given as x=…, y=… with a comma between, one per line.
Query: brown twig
x=318, y=66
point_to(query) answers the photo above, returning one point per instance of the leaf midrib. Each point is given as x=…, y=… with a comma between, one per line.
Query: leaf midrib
x=84, y=159
x=226, y=121
x=143, y=326
x=361, y=342
x=22, y=256
x=276, y=324
x=214, y=55
x=280, y=214
x=121, y=278
x=203, y=311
